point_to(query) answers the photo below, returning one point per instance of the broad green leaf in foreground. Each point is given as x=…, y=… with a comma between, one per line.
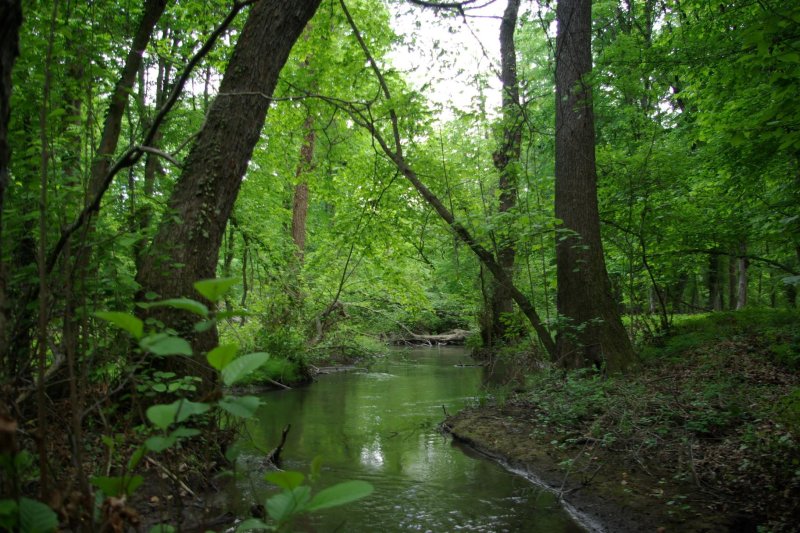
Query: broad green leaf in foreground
x=241, y=406
x=125, y=321
x=340, y=494
x=215, y=289
x=163, y=415
x=163, y=344
x=223, y=354
x=241, y=367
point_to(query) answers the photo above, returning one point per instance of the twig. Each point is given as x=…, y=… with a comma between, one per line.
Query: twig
x=172, y=476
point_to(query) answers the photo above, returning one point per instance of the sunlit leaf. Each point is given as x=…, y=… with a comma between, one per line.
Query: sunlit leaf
x=215, y=289
x=285, y=479
x=223, y=354
x=164, y=344
x=163, y=415
x=125, y=321
x=241, y=367
x=185, y=304
x=340, y=494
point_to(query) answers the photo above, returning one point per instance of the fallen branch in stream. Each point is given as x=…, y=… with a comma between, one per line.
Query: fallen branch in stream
x=455, y=336
x=274, y=457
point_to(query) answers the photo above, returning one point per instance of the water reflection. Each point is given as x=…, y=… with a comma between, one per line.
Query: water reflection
x=381, y=426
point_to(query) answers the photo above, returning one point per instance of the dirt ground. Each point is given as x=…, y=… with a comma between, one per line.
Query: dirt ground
x=605, y=491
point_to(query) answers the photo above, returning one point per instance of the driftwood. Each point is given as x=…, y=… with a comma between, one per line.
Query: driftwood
x=455, y=336
x=274, y=457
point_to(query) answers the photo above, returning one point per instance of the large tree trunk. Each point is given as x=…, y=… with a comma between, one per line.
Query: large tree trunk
x=186, y=246
x=592, y=332
x=506, y=161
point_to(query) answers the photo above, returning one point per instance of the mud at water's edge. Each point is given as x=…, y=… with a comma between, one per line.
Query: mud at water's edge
x=615, y=498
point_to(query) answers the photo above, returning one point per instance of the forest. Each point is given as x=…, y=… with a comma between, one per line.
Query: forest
x=205, y=202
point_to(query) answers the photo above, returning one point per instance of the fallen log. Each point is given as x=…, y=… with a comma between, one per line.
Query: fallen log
x=455, y=336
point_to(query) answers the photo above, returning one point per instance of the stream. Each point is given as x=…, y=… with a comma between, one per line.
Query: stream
x=381, y=426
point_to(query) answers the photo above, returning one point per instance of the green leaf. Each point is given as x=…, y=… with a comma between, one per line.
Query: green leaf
x=110, y=485
x=241, y=406
x=136, y=457
x=241, y=367
x=125, y=321
x=223, y=354
x=205, y=325
x=164, y=344
x=253, y=523
x=159, y=444
x=222, y=315
x=340, y=494
x=132, y=484
x=162, y=528
x=184, y=432
x=285, y=479
x=186, y=304
x=163, y=415
x=8, y=514
x=117, y=485
x=215, y=289
x=36, y=517
x=283, y=506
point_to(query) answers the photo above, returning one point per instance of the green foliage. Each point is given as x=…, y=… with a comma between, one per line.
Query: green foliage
x=240, y=367
x=296, y=499
x=27, y=516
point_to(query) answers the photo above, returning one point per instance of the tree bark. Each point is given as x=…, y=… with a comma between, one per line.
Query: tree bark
x=506, y=161
x=300, y=202
x=592, y=331
x=186, y=246
x=10, y=21
x=732, y=287
x=713, y=281
x=741, y=300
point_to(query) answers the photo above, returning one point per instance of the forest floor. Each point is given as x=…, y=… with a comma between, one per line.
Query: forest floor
x=703, y=436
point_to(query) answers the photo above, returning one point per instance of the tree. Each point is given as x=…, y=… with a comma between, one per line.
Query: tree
x=591, y=332
x=10, y=21
x=186, y=246
x=506, y=161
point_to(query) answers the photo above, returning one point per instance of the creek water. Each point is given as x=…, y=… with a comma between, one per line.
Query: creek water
x=381, y=426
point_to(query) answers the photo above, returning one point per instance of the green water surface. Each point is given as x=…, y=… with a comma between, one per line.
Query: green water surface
x=381, y=426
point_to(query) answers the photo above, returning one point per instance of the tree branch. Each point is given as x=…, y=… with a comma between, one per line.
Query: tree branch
x=134, y=153
x=396, y=156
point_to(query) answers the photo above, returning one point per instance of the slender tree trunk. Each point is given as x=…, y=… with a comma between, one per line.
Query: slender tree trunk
x=714, y=285
x=186, y=246
x=732, y=282
x=506, y=161
x=741, y=300
x=592, y=332
x=10, y=21
x=395, y=154
x=300, y=202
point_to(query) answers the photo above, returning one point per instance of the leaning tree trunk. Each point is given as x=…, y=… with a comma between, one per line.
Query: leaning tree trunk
x=591, y=332
x=506, y=161
x=186, y=246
